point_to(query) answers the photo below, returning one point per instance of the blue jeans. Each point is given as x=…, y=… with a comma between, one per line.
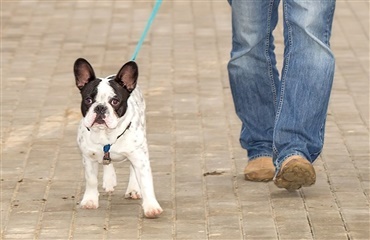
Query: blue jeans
x=281, y=116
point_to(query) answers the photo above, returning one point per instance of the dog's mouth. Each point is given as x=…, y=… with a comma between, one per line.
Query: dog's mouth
x=99, y=120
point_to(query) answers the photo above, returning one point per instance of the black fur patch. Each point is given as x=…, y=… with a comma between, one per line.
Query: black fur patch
x=122, y=95
x=90, y=90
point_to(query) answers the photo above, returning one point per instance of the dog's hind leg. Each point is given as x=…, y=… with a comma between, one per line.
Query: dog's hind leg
x=141, y=166
x=133, y=188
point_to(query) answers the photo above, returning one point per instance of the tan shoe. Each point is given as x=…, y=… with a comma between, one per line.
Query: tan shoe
x=295, y=172
x=260, y=170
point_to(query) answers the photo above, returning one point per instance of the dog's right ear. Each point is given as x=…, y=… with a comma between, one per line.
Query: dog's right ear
x=83, y=72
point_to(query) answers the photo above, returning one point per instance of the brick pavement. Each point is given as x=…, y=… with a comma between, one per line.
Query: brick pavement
x=192, y=127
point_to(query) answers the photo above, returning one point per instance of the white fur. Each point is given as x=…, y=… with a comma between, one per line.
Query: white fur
x=132, y=145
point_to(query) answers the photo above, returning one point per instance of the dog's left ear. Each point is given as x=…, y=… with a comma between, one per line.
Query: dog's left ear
x=127, y=75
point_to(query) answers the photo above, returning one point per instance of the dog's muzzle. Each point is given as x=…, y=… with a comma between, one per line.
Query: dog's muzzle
x=100, y=111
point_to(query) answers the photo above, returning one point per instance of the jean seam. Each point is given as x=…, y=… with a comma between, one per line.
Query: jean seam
x=321, y=138
x=267, y=47
x=283, y=79
x=328, y=23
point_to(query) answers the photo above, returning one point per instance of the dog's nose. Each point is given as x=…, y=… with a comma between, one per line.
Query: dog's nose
x=100, y=109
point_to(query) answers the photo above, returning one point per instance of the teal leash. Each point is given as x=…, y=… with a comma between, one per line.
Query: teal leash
x=106, y=148
x=146, y=29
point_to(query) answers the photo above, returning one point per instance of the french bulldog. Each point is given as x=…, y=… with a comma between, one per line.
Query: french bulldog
x=112, y=129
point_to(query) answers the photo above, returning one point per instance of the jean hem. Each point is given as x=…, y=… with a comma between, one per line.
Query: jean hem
x=254, y=157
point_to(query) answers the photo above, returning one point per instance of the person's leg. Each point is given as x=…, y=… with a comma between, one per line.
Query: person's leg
x=254, y=82
x=306, y=84
x=252, y=73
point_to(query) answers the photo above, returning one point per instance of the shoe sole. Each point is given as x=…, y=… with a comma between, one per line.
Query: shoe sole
x=295, y=174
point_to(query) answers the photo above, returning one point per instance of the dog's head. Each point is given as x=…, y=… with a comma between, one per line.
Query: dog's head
x=104, y=100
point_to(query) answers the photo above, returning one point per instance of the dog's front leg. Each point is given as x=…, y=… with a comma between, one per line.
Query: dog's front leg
x=109, y=178
x=90, y=199
x=140, y=162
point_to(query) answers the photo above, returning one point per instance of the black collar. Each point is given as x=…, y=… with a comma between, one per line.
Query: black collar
x=128, y=126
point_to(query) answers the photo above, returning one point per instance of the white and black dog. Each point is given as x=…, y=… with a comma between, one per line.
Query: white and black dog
x=113, y=128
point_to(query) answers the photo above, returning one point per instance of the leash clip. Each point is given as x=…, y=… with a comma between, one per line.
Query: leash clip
x=106, y=158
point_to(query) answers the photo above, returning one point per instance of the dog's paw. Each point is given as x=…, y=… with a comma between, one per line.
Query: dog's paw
x=132, y=194
x=109, y=184
x=152, y=210
x=109, y=179
x=89, y=204
x=90, y=201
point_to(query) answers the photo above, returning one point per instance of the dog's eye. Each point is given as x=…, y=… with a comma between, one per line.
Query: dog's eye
x=114, y=102
x=88, y=100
